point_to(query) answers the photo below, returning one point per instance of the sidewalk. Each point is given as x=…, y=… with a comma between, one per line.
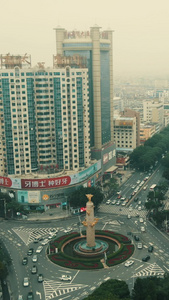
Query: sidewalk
x=50, y=214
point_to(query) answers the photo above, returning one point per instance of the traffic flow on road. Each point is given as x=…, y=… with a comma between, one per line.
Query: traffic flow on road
x=32, y=275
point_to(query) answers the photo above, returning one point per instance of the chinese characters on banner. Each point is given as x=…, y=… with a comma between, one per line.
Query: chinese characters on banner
x=45, y=183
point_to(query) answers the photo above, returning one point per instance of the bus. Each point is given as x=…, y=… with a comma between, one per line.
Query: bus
x=152, y=187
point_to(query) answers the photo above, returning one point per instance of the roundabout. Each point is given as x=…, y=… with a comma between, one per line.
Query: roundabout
x=90, y=249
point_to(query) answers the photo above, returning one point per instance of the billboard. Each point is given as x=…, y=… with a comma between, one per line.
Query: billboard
x=49, y=183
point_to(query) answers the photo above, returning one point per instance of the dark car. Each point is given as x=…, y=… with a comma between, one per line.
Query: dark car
x=30, y=296
x=25, y=261
x=40, y=278
x=146, y=258
x=34, y=270
x=30, y=251
x=150, y=249
x=136, y=238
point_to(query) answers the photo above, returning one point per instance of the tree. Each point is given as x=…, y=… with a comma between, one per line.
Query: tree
x=78, y=198
x=112, y=289
x=3, y=270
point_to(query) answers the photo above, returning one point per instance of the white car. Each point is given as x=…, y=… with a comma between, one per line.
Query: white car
x=39, y=249
x=108, y=202
x=141, y=220
x=25, y=281
x=139, y=208
x=66, y=278
x=69, y=229
x=139, y=246
x=118, y=203
x=129, y=263
x=143, y=229
x=35, y=258
x=124, y=203
x=45, y=242
x=138, y=181
x=113, y=202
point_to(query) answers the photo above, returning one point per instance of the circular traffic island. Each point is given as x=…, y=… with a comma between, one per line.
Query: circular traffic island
x=71, y=250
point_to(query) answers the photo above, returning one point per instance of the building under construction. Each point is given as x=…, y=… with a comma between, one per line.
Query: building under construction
x=8, y=61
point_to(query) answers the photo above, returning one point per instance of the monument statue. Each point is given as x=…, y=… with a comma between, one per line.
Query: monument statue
x=90, y=222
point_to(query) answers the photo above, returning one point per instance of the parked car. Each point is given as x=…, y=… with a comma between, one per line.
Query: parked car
x=20, y=297
x=146, y=258
x=25, y=261
x=150, y=249
x=129, y=263
x=25, y=281
x=141, y=220
x=113, y=202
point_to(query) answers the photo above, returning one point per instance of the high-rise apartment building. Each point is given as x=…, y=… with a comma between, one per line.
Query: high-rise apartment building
x=96, y=47
x=44, y=120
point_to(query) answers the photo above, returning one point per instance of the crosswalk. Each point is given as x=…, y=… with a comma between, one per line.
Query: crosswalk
x=55, y=289
x=150, y=270
x=119, y=210
x=28, y=235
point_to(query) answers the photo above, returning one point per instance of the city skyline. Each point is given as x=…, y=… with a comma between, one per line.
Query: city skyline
x=140, y=31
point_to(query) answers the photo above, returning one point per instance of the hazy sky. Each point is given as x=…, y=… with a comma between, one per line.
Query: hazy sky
x=141, y=30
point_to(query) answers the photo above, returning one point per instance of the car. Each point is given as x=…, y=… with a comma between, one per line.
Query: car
x=136, y=238
x=138, y=181
x=123, y=198
x=67, y=230
x=39, y=249
x=141, y=220
x=150, y=249
x=40, y=278
x=30, y=251
x=145, y=187
x=66, y=278
x=108, y=202
x=130, y=208
x=139, y=208
x=119, y=196
x=143, y=229
x=25, y=281
x=35, y=258
x=36, y=241
x=124, y=203
x=30, y=296
x=45, y=242
x=113, y=202
x=118, y=203
x=25, y=261
x=136, y=199
x=139, y=203
x=139, y=246
x=129, y=263
x=146, y=258
x=133, y=187
x=119, y=192
x=20, y=297
x=34, y=269
x=128, y=217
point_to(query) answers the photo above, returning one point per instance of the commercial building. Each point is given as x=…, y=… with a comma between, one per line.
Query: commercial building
x=153, y=112
x=125, y=133
x=96, y=46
